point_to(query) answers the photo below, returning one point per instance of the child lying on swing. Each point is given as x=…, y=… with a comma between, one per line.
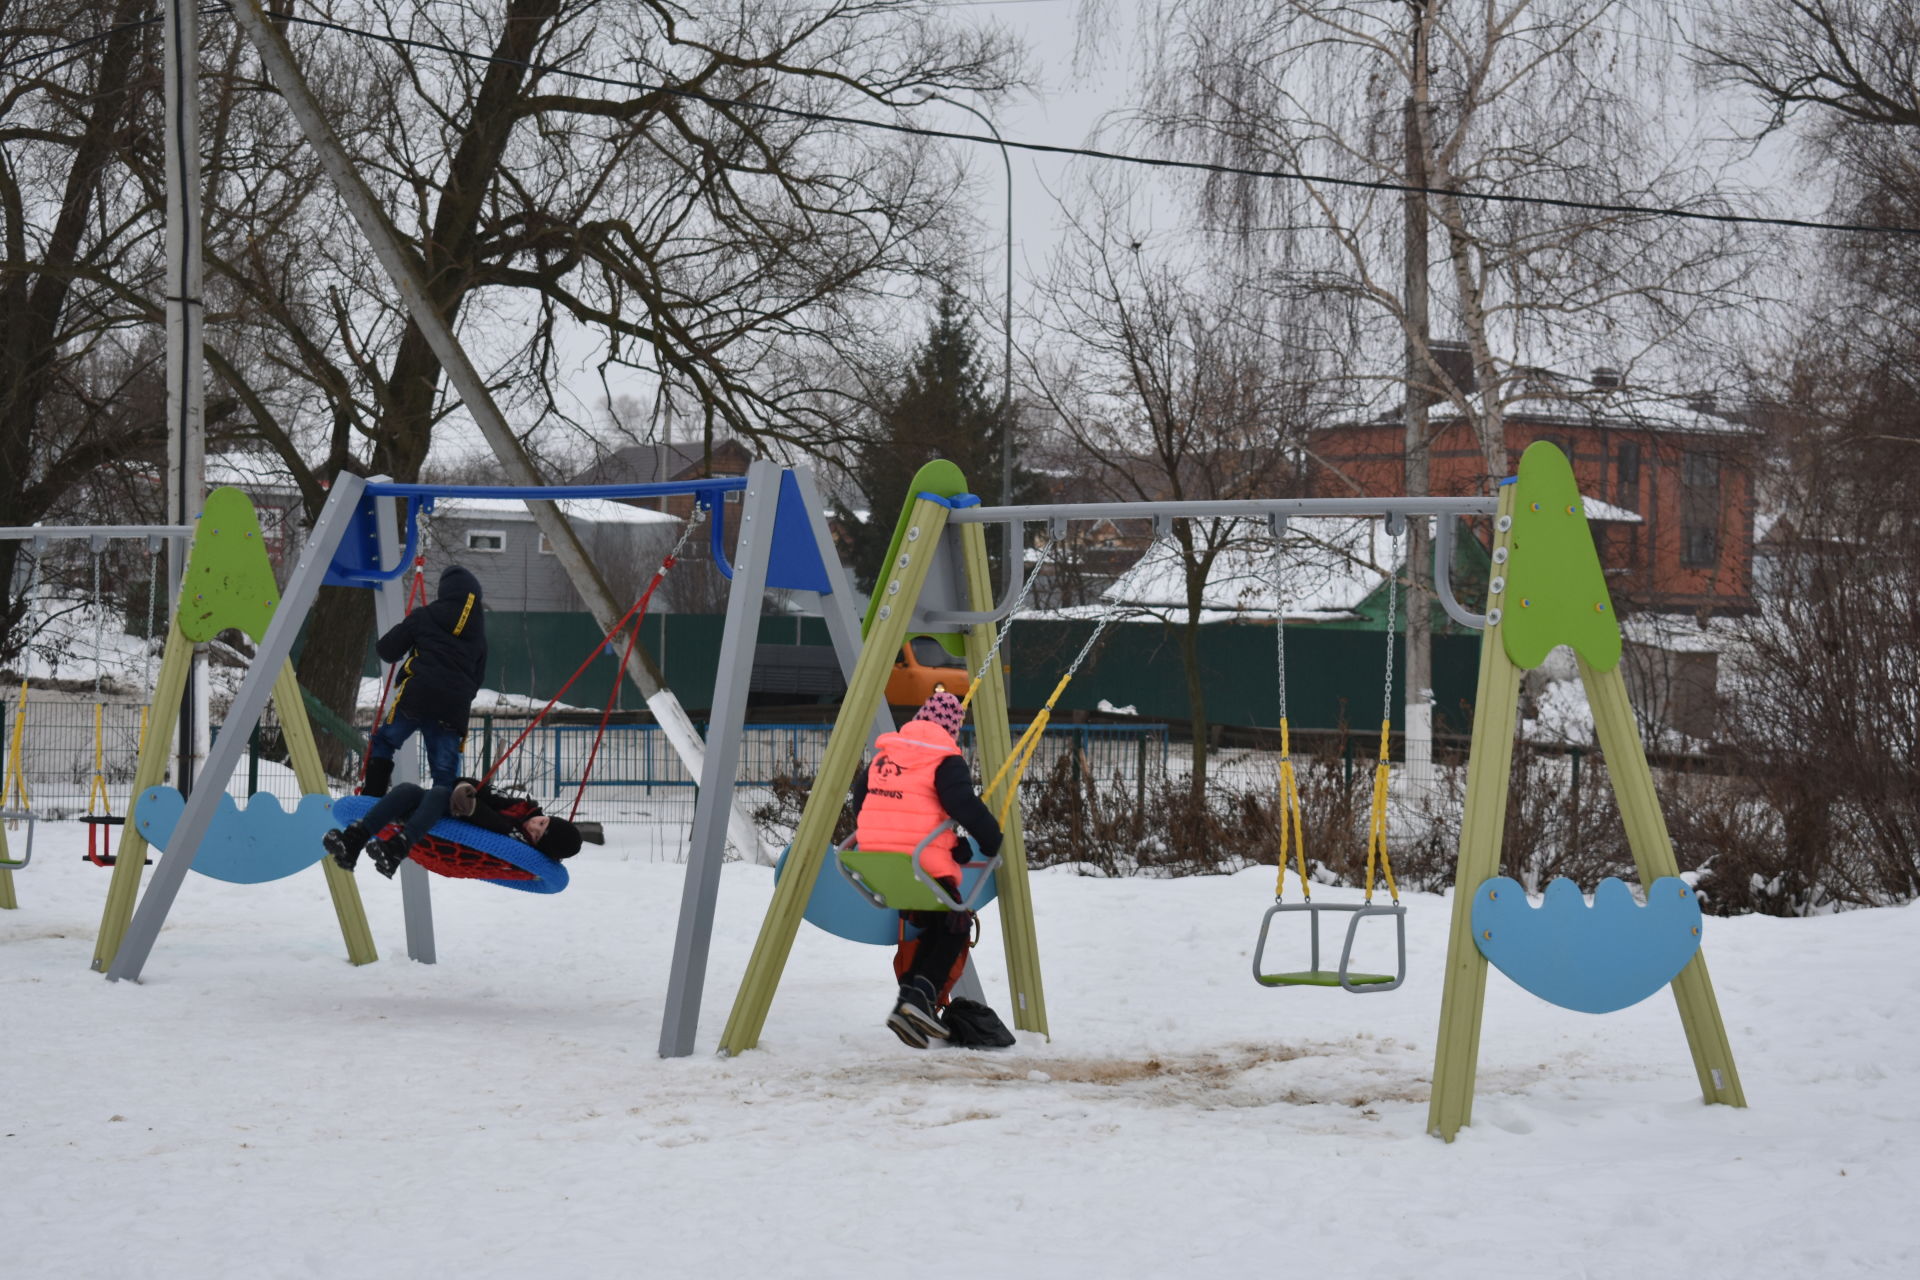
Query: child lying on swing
x=470, y=801
x=916, y=781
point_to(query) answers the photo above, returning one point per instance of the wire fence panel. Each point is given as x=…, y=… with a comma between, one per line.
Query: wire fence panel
x=636, y=776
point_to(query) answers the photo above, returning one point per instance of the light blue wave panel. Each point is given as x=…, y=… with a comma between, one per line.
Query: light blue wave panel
x=253, y=845
x=1591, y=958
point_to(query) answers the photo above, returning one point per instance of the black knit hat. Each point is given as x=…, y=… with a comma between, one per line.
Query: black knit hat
x=560, y=840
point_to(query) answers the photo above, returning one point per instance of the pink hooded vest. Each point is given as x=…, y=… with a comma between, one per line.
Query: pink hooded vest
x=901, y=805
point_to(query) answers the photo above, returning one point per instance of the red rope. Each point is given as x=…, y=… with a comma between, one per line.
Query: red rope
x=418, y=591
x=606, y=711
x=640, y=608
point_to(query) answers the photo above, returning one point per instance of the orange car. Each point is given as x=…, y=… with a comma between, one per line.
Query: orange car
x=923, y=663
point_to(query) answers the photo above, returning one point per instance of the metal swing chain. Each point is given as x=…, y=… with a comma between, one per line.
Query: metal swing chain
x=1006, y=628
x=99, y=627
x=1288, y=801
x=1377, y=854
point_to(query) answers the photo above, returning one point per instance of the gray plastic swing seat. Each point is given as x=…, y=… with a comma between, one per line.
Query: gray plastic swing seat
x=1344, y=976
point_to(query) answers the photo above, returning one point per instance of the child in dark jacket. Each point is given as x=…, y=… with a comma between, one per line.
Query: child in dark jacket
x=515, y=816
x=918, y=779
x=442, y=652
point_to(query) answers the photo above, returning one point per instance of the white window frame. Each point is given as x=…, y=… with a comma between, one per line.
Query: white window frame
x=501, y=534
x=546, y=547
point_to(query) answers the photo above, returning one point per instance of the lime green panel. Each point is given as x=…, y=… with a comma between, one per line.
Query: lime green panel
x=1321, y=978
x=229, y=580
x=891, y=876
x=938, y=477
x=1555, y=591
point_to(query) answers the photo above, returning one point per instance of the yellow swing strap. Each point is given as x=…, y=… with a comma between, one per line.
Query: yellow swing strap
x=97, y=792
x=1022, y=753
x=1293, y=833
x=15, y=788
x=1378, y=861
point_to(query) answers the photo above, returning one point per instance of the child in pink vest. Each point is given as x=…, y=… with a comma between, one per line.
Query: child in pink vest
x=917, y=780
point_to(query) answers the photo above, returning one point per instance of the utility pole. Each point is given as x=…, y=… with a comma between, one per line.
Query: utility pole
x=186, y=417
x=1418, y=770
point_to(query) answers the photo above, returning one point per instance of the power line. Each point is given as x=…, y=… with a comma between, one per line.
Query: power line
x=1041, y=148
x=1091, y=153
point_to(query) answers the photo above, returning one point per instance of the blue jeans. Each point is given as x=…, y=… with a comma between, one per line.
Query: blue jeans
x=420, y=808
x=442, y=745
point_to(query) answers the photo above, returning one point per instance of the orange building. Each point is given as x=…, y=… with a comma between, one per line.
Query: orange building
x=1669, y=483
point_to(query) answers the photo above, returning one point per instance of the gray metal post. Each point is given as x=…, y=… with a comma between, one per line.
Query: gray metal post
x=389, y=607
x=186, y=417
x=707, y=850
x=303, y=586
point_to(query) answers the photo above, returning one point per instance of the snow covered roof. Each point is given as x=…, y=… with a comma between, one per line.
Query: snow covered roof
x=1328, y=570
x=1598, y=510
x=589, y=510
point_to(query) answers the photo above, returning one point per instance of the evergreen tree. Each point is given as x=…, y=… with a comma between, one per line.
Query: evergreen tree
x=942, y=407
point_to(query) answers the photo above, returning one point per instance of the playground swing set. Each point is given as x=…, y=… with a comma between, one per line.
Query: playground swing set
x=355, y=542
x=1547, y=590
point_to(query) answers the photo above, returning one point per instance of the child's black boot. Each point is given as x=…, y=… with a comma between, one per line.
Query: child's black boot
x=379, y=777
x=345, y=845
x=913, y=1018
x=388, y=854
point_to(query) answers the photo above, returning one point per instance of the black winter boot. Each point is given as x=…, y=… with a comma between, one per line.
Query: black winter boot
x=913, y=1018
x=345, y=845
x=389, y=853
x=379, y=776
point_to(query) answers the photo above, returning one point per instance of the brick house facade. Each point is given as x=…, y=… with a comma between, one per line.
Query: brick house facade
x=1674, y=518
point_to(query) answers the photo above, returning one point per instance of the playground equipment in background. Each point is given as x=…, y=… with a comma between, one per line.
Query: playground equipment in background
x=923, y=666
x=367, y=536
x=100, y=821
x=1292, y=834
x=1548, y=590
x=156, y=537
x=227, y=583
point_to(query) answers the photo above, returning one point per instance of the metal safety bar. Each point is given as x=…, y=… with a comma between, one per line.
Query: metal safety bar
x=560, y=492
x=14, y=815
x=32, y=532
x=1395, y=511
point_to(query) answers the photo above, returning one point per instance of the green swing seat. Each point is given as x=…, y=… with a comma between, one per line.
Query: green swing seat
x=1342, y=976
x=897, y=882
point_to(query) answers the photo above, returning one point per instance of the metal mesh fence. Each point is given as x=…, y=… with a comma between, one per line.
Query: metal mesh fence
x=636, y=776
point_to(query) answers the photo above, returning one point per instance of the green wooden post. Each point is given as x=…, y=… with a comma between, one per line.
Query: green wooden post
x=304, y=752
x=894, y=600
x=1463, y=994
x=995, y=737
x=130, y=857
x=1653, y=856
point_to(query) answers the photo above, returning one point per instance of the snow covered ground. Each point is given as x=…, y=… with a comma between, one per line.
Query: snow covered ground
x=257, y=1108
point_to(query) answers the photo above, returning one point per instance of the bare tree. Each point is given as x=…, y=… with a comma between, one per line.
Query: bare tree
x=1823, y=712
x=1558, y=99
x=1174, y=379
x=660, y=177
x=78, y=245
